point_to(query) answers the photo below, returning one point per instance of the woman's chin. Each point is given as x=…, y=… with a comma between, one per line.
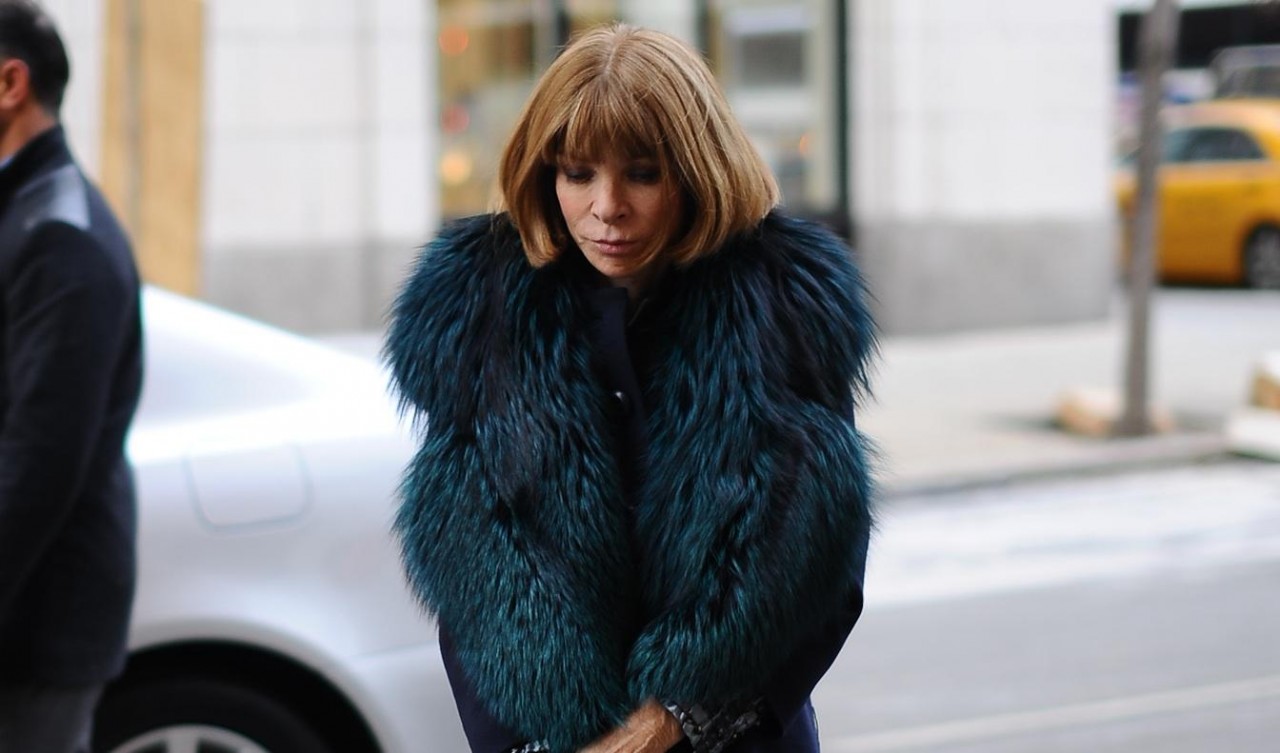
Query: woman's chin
x=618, y=269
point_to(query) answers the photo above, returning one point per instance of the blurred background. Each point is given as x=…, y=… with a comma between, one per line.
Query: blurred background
x=285, y=158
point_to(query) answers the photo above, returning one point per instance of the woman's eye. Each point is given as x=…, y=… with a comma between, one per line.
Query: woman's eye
x=644, y=175
x=575, y=174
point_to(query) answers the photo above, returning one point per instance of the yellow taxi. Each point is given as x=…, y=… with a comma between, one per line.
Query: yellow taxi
x=1219, y=183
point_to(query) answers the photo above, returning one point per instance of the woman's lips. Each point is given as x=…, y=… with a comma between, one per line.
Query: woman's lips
x=614, y=247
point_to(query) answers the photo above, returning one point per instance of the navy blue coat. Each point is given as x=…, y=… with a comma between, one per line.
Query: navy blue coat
x=788, y=725
x=71, y=357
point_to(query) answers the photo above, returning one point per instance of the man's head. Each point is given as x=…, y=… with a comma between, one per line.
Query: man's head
x=33, y=63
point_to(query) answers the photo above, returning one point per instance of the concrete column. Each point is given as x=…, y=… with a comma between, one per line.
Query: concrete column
x=981, y=160
x=321, y=134
x=404, y=113
x=153, y=125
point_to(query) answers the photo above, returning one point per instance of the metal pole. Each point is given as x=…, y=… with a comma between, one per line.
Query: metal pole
x=844, y=82
x=1157, y=41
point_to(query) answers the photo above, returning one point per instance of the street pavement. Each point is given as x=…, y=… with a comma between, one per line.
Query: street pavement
x=1119, y=613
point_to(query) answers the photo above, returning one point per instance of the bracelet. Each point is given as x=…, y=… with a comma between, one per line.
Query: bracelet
x=712, y=731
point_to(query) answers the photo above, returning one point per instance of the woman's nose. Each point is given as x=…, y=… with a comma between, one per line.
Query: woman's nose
x=609, y=204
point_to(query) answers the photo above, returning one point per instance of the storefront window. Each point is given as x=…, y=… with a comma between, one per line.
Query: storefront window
x=489, y=52
x=778, y=61
x=586, y=14
x=779, y=64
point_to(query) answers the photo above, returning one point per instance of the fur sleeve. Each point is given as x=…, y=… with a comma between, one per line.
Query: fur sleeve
x=435, y=320
x=757, y=510
x=506, y=524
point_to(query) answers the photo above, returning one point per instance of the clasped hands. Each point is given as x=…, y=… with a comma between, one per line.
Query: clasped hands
x=649, y=729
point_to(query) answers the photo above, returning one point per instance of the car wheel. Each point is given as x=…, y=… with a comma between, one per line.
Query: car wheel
x=200, y=715
x=1262, y=259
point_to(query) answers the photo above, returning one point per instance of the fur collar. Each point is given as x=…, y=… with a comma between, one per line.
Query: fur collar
x=513, y=525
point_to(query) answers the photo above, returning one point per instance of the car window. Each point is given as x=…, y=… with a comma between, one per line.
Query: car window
x=1254, y=80
x=1213, y=144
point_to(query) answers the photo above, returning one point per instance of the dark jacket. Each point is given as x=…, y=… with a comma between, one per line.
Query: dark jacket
x=71, y=355
x=698, y=538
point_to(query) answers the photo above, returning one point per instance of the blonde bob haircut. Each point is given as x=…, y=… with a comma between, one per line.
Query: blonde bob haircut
x=638, y=94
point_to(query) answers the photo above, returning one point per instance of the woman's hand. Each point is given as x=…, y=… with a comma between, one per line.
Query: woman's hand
x=649, y=729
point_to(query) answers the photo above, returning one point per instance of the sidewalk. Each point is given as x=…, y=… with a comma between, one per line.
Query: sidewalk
x=976, y=409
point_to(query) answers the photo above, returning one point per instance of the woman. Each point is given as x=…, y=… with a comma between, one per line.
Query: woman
x=640, y=509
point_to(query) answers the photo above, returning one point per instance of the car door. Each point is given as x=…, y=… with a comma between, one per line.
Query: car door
x=1211, y=183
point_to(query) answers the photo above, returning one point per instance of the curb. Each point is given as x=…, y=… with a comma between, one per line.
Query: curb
x=1109, y=456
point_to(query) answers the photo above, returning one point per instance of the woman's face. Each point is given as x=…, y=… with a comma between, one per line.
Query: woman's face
x=618, y=211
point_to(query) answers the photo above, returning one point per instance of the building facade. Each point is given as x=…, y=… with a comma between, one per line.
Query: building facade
x=982, y=160
x=964, y=145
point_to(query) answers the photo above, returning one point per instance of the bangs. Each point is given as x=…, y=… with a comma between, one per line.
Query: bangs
x=600, y=123
x=619, y=92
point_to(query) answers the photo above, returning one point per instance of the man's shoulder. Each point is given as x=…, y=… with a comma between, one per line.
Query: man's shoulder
x=54, y=203
x=61, y=195
x=62, y=207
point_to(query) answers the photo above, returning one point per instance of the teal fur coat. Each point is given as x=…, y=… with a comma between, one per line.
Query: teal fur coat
x=569, y=608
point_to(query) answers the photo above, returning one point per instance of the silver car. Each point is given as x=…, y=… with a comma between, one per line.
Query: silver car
x=271, y=615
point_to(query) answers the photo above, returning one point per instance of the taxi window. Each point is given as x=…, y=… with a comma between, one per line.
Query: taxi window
x=1210, y=145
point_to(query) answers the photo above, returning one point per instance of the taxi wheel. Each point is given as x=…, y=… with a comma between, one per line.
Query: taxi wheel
x=1262, y=259
x=200, y=715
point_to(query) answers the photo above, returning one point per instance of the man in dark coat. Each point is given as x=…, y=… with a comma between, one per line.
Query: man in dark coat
x=71, y=357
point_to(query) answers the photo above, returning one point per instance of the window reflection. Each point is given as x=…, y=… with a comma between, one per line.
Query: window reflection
x=777, y=60
x=488, y=54
x=778, y=63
